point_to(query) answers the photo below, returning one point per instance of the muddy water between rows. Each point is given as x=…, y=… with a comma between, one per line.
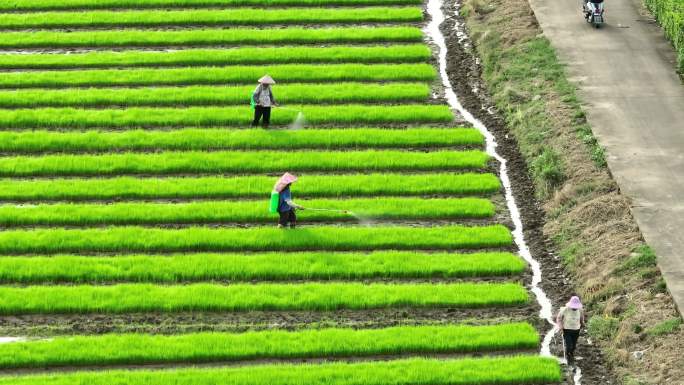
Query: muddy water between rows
x=433, y=31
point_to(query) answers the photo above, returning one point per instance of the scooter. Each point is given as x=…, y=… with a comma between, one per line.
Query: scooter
x=594, y=12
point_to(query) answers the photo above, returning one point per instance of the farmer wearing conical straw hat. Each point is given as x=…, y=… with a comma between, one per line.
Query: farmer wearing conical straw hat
x=262, y=100
x=570, y=320
x=286, y=207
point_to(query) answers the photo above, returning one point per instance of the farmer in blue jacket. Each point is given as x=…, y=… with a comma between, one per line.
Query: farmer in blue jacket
x=286, y=207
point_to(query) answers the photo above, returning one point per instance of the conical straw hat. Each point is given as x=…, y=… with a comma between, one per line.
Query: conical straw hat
x=266, y=80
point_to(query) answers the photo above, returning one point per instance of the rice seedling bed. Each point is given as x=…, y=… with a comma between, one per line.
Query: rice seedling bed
x=416, y=371
x=133, y=239
x=201, y=17
x=214, y=347
x=216, y=187
x=164, y=163
x=140, y=117
x=242, y=211
x=217, y=139
x=129, y=298
x=32, y=5
x=235, y=36
x=213, y=95
x=285, y=73
x=197, y=267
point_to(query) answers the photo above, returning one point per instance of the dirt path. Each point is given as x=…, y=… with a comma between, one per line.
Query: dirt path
x=635, y=105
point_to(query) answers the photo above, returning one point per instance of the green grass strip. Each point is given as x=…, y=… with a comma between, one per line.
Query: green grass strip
x=226, y=139
x=246, y=186
x=214, y=95
x=240, y=162
x=198, y=267
x=361, y=209
x=226, y=17
x=141, y=239
x=141, y=117
x=127, y=298
x=117, y=349
x=517, y=370
x=219, y=36
x=43, y=5
x=211, y=75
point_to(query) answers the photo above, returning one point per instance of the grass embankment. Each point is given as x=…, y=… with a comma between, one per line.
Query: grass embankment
x=139, y=349
x=140, y=117
x=362, y=209
x=130, y=298
x=199, y=267
x=670, y=16
x=211, y=75
x=386, y=184
x=226, y=139
x=219, y=36
x=166, y=163
x=233, y=56
x=198, y=17
x=416, y=371
x=194, y=239
x=214, y=95
x=32, y=5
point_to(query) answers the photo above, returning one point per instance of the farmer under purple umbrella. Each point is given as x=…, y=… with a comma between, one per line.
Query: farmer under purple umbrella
x=570, y=320
x=286, y=207
x=262, y=100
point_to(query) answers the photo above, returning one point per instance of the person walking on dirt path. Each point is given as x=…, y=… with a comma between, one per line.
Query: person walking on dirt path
x=570, y=320
x=286, y=207
x=262, y=101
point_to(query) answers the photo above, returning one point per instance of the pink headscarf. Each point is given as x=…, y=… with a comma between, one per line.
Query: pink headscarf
x=284, y=180
x=574, y=303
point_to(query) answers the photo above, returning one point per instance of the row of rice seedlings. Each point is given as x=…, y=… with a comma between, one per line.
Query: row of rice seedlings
x=143, y=117
x=140, y=349
x=197, y=138
x=360, y=209
x=517, y=370
x=196, y=17
x=228, y=139
x=134, y=239
x=43, y=5
x=234, y=36
x=217, y=187
x=214, y=95
x=284, y=73
x=128, y=298
x=240, y=162
x=197, y=267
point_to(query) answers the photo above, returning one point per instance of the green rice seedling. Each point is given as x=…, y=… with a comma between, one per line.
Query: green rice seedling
x=516, y=370
x=140, y=117
x=240, y=162
x=127, y=298
x=242, y=211
x=123, y=349
x=196, y=17
x=32, y=5
x=311, y=185
x=194, y=239
x=222, y=139
x=137, y=117
x=213, y=95
x=219, y=36
x=197, y=267
x=284, y=73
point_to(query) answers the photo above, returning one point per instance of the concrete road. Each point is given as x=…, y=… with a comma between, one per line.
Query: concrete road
x=635, y=105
